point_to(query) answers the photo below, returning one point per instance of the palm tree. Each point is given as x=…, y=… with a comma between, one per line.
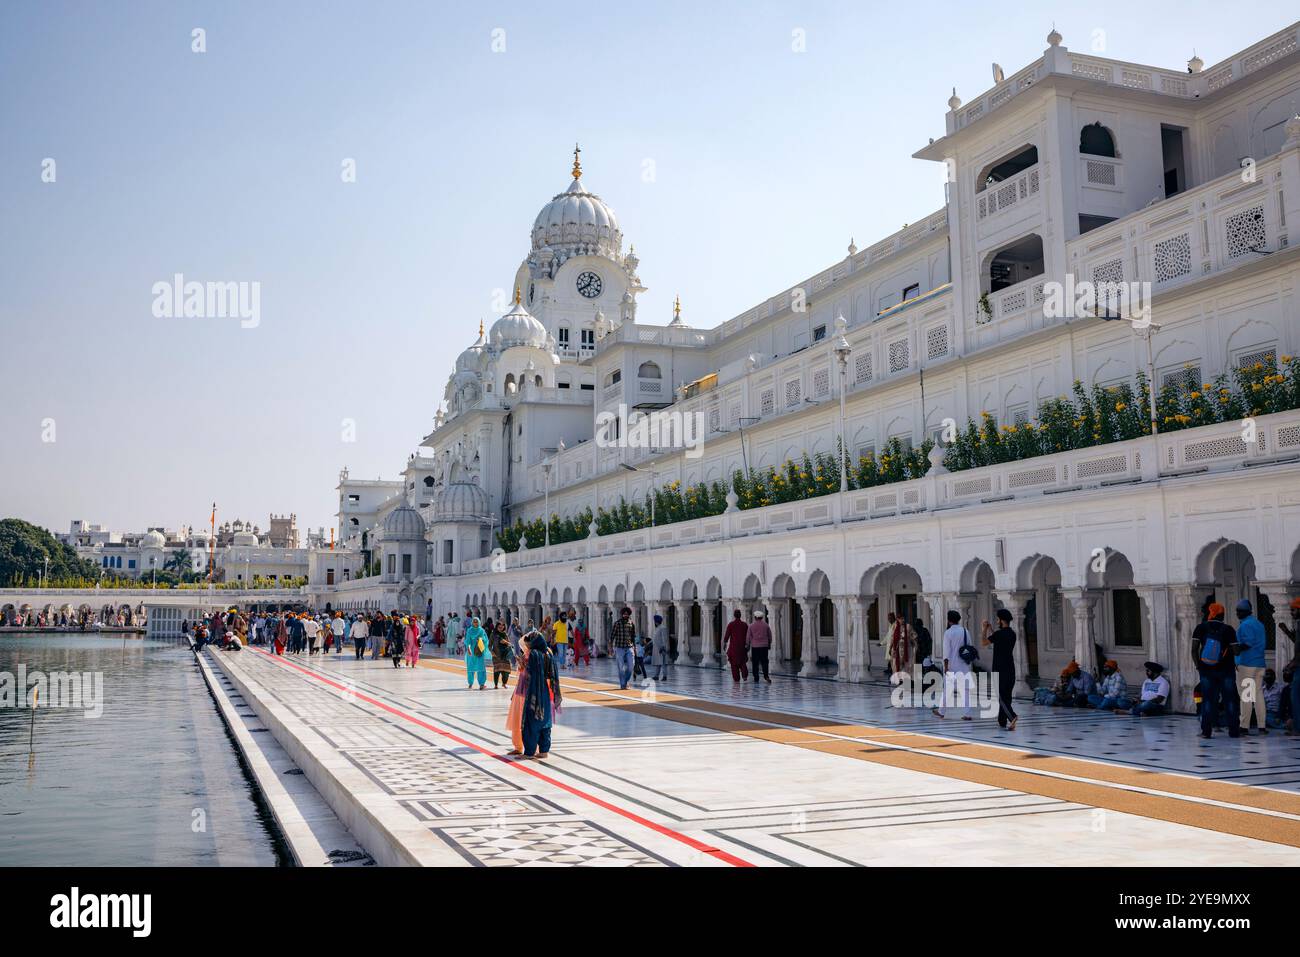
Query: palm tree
x=181, y=561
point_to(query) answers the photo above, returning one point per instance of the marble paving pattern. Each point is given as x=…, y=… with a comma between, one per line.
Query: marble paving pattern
x=679, y=789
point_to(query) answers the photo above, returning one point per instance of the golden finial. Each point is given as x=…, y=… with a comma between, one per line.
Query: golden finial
x=480, y=328
x=577, y=166
x=518, y=298
x=677, y=307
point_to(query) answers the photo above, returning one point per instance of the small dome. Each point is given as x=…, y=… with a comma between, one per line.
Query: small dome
x=403, y=524
x=244, y=538
x=1054, y=38
x=153, y=539
x=518, y=328
x=468, y=361
x=462, y=502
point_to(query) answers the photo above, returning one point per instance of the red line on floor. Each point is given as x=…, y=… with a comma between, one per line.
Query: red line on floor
x=622, y=812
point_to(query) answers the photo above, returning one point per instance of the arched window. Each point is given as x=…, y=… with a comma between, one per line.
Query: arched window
x=649, y=370
x=538, y=382
x=1014, y=263
x=1007, y=167
x=428, y=481
x=510, y=383
x=1096, y=140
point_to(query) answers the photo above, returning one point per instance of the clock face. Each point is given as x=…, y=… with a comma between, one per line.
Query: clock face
x=589, y=285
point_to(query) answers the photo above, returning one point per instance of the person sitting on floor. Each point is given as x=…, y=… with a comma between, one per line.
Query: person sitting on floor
x=1272, y=699
x=1155, y=693
x=1112, y=692
x=1059, y=692
x=1082, y=684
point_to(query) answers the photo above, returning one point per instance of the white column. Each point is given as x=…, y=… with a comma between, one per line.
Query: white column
x=808, y=643
x=843, y=648
x=1187, y=611
x=710, y=640
x=1279, y=596
x=1081, y=604
x=683, y=631
x=860, y=663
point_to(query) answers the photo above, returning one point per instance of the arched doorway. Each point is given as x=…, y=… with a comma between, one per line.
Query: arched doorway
x=1038, y=579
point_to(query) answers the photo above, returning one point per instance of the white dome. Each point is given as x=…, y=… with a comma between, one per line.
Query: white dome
x=244, y=538
x=403, y=524
x=153, y=539
x=518, y=328
x=461, y=502
x=468, y=361
x=578, y=222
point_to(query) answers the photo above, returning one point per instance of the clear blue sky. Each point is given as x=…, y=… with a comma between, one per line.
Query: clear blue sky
x=226, y=166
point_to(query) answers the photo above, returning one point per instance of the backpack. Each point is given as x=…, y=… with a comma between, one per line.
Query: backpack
x=1212, y=649
x=967, y=652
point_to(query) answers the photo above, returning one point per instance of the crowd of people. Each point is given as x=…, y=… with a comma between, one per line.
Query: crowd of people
x=82, y=620
x=1234, y=692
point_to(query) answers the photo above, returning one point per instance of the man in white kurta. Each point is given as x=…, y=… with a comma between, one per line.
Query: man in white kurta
x=957, y=678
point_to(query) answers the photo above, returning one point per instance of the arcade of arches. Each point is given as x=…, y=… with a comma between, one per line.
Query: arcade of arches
x=837, y=629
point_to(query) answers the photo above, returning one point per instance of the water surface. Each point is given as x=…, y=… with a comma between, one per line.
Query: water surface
x=155, y=780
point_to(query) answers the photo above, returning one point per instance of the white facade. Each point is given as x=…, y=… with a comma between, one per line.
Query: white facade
x=242, y=555
x=1074, y=168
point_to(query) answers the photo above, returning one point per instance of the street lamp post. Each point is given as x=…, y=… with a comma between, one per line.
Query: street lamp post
x=546, y=509
x=1149, y=328
x=649, y=541
x=842, y=351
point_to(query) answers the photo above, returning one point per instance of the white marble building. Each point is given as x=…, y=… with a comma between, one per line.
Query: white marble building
x=242, y=552
x=1073, y=168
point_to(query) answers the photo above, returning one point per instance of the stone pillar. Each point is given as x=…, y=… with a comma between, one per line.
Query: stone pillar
x=968, y=604
x=1187, y=614
x=709, y=648
x=1279, y=596
x=843, y=640
x=1081, y=604
x=1015, y=603
x=808, y=644
x=860, y=662
x=599, y=640
x=639, y=617
x=683, y=631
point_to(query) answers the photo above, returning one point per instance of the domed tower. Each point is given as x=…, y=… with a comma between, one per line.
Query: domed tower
x=521, y=352
x=461, y=526
x=402, y=545
x=576, y=266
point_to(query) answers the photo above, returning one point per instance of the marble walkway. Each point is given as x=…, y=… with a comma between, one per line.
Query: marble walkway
x=698, y=771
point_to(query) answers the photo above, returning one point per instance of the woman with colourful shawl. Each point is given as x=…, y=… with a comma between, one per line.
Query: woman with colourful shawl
x=412, y=641
x=900, y=644
x=476, y=648
x=541, y=700
x=515, y=714
x=280, y=633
